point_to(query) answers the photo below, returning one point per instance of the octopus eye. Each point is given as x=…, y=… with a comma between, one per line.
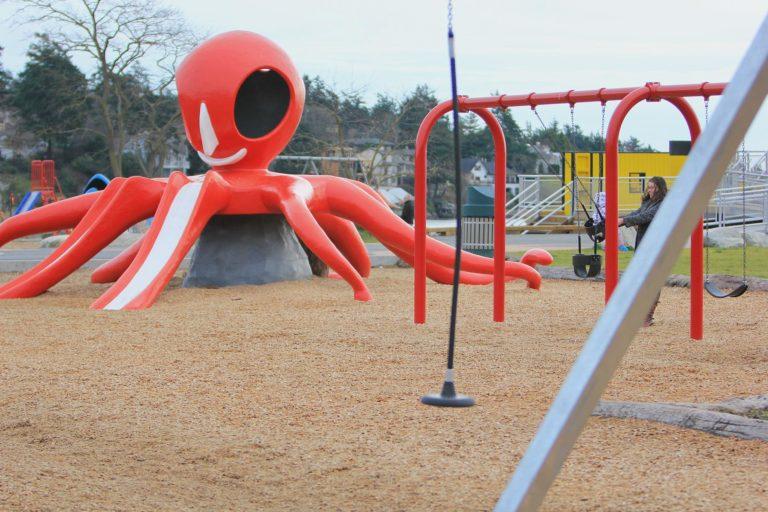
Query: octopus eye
x=261, y=103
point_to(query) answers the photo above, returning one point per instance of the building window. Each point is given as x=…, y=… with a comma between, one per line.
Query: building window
x=636, y=182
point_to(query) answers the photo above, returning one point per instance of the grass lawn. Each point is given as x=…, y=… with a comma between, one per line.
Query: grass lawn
x=366, y=236
x=721, y=261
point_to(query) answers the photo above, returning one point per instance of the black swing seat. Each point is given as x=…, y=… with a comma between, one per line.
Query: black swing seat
x=587, y=265
x=717, y=293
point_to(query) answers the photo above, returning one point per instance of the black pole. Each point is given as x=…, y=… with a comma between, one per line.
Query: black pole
x=458, y=187
x=448, y=396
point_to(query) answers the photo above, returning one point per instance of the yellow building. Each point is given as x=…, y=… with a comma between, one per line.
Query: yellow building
x=634, y=169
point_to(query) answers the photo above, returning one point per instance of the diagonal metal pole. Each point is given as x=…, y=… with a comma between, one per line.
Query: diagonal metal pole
x=639, y=285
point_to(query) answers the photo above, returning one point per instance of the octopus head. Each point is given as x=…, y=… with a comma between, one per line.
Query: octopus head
x=241, y=99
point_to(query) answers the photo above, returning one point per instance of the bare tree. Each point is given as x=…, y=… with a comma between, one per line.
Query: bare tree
x=387, y=143
x=119, y=35
x=161, y=131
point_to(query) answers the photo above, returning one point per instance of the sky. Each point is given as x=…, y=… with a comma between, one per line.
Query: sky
x=510, y=47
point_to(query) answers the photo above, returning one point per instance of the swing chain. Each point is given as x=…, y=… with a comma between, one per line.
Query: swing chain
x=706, y=254
x=602, y=123
x=573, y=129
x=707, y=241
x=450, y=15
x=745, y=164
x=541, y=121
x=706, y=111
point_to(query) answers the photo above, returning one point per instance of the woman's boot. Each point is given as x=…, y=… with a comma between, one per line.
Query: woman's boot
x=649, y=318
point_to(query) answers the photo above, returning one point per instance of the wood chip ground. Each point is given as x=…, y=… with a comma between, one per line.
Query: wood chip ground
x=292, y=396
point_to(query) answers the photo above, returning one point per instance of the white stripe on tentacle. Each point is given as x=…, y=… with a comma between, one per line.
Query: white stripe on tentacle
x=163, y=247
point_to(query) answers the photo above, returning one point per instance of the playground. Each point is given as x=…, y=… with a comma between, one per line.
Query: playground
x=197, y=326
x=272, y=408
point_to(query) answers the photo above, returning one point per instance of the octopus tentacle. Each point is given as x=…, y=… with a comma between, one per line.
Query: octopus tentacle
x=346, y=237
x=114, y=211
x=533, y=257
x=303, y=222
x=63, y=214
x=436, y=272
x=349, y=201
x=441, y=274
x=370, y=191
x=111, y=271
x=184, y=210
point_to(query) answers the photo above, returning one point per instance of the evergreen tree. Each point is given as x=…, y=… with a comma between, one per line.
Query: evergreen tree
x=633, y=145
x=49, y=94
x=413, y=109
x=519, y=156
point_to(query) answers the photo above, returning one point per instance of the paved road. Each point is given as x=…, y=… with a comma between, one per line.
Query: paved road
x=19, y=260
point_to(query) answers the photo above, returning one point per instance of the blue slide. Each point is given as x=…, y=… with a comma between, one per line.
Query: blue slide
x=30, y=200
x=96, y=183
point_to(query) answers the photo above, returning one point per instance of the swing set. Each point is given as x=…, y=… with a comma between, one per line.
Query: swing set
x=589, y=265
x=628, y=97
x=613, y=333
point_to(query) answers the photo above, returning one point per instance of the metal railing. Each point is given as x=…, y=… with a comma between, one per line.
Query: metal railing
x=538, y=212
x=756, y=162
x=539, y=201
x=725, y=207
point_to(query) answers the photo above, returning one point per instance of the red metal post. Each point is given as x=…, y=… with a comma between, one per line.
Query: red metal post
x=499, y=210
x=697, y=282
x=650, y=91
x=420, y=211
x=696, y=327
x=612, y=186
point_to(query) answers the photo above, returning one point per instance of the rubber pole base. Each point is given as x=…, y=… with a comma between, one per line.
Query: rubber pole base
x=448, y=398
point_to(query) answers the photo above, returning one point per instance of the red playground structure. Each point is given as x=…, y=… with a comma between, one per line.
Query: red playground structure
x=628, y=97
x=238, y=122
x=42, y=179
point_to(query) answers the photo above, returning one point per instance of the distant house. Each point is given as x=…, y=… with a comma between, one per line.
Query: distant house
x=385, y=164
x=478, y=171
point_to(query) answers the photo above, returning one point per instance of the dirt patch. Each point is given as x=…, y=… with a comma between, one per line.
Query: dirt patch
x=292, y=396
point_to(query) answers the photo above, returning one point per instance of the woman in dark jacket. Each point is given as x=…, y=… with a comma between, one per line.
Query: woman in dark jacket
x=655, y=191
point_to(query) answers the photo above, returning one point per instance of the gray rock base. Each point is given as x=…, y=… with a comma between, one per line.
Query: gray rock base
x=247, y=249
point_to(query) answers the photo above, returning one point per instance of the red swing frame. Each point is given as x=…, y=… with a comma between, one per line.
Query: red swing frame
x=628, y=97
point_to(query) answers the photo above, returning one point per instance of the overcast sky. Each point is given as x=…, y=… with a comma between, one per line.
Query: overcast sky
x=507, y=46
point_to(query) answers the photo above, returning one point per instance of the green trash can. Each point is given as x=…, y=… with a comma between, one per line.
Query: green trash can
x=477, y=220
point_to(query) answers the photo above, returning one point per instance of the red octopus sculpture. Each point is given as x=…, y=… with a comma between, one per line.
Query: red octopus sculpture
x=241, y=100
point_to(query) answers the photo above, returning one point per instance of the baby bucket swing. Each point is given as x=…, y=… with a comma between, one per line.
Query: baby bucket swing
x=587, y=265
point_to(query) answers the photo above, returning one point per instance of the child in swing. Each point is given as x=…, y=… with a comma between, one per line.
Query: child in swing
x=655, y=191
